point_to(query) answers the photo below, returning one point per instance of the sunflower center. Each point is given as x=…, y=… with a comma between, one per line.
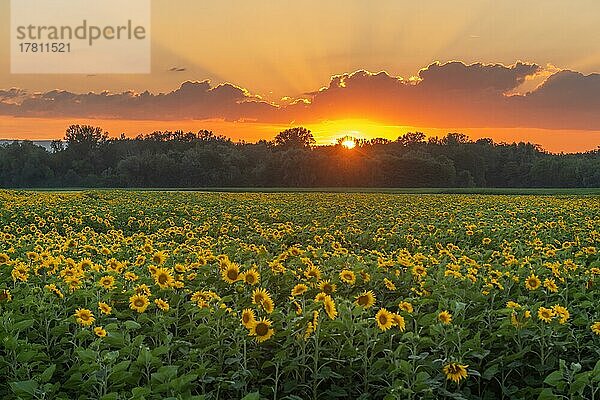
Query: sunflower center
x=262, y=329
x=232, y=274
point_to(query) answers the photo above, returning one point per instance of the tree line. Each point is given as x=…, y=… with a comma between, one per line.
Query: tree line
x=88, y=157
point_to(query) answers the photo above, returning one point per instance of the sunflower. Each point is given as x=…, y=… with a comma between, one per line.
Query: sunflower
x=327, y=287
x=315, y=319
x=550, y=284
x=147, y=247
x=299, y=289
x=320, y=296
x=251, y=277
x=546, y=314
x=455, y=371
x=139, y=302
x=104, y=308
x=298, y=308
x=268, y=305
x=262, y=330
x=309, y=330
x=84, y=317
x=385, y=319
x=406, y=307
x=162, y=304
x=4, y=258
x=5, y=295
x=595, y=328
x=107, y=282
x=389, y=284
x=330, y=309
x=532, y=282
x=294, y=251
x=262, y=298
x=159, y=257
x=248, y=318
x=259, y=295
x=312, y=272
x=231, y=273
x=348, y=276
x=399, y=322
x=419, y=271
x=445, y=317
x=142, y=289
x=163, y=277
x=365, y=299
x=99, y=331
x=131, y=277
x=562, y=313
x=365, y=276
x=486, y=241
x=86, y=263
x=512, y=304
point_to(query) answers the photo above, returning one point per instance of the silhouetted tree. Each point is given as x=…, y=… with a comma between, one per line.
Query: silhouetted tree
x=411, y=138
x=295, y=138
x=85, y=136
x=202, y=159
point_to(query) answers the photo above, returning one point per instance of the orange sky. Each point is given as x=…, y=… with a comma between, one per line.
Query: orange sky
x=281, y=51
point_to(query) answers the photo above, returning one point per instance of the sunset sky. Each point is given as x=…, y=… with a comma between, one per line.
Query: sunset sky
x=509, y=70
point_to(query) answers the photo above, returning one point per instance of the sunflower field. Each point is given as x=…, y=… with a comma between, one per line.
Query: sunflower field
x=174, y=295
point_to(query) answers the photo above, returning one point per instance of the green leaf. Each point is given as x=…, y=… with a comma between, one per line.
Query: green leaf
x=86, y=355
x=580, y=382
x=47, y=374
x=490, y=372
x=24, y=388
x=132, y=325
x=596, y=372
x=554, y=379
x=547, y=394
x=252, y=396
x=22, y=325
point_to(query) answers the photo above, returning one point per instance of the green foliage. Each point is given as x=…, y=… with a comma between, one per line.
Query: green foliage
x=468, y=255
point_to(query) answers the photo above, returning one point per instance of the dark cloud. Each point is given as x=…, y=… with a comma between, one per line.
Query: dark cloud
x=12, y=95
x=475, y=78
x=442, y=95
x=193, y=100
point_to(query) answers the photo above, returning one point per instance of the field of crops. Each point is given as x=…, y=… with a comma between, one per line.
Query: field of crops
x=139, y=295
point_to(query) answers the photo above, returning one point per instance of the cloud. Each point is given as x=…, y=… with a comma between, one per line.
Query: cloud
x=192, y=100
x=458, y=95
x=442, y=95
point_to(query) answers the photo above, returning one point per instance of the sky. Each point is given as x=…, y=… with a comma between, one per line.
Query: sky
x=509, y=70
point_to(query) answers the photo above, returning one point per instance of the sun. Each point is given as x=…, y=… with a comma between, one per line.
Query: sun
x=349, y=143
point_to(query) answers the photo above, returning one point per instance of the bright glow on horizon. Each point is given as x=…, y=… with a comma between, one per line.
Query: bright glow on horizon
x=349, y=143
